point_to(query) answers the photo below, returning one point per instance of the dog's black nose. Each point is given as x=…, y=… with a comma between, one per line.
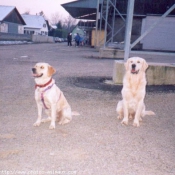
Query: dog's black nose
x=34, y=70
x=133, y=66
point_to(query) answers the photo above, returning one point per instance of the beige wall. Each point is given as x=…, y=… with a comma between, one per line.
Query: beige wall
x=42, y=39
x=97, y=35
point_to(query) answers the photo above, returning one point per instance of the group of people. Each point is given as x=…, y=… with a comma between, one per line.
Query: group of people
x=78, y=40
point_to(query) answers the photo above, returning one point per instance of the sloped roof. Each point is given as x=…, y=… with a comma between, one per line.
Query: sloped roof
x=34, y=21
x=4, y=11
x=10, y=14
x=86, y=9
x=82, y=9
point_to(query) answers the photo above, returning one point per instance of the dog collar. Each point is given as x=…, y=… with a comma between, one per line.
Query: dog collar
x=43, y=85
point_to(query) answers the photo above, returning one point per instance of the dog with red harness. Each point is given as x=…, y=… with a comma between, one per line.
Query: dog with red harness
x=49, y=97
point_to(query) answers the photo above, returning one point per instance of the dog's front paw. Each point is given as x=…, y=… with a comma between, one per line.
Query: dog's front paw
x=136, y=123
x=124, y=122
x=52, y=126
x=119, y=117
x=37, y=123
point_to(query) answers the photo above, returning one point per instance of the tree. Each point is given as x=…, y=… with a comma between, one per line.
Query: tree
x=64, y=26
x=56, y=18
x=69, y=23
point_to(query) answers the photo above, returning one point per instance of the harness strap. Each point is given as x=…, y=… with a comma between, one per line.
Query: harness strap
x=42, y=95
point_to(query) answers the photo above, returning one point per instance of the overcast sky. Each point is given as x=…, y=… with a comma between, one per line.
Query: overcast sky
x=49, y=7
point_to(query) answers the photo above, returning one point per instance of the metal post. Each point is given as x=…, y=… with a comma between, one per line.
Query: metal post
x=128, y=30
x=113, y=24
x=96, y=31
x=106, y=22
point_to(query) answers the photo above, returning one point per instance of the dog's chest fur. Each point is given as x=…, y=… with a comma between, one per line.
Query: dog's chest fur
x=133, y=85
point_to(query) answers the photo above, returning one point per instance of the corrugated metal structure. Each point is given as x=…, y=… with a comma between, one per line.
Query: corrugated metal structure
x=82, y=9
x=111, y=15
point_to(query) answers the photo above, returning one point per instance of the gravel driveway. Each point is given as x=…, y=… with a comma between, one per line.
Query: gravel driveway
x=94, y=143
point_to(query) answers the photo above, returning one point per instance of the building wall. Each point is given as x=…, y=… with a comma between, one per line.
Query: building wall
x=31, y=31
x=162, y=37
x=44, y=29
x=7, y=27
x=14, y=37
x=4, y=27
x=25, y=37
x=20, y=29
x=12, y=27
x=34, y=31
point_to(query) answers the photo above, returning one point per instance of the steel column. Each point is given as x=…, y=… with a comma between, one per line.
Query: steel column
x=128, y=30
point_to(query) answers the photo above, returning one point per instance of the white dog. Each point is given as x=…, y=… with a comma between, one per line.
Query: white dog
x=50, y=97
x=133, y=92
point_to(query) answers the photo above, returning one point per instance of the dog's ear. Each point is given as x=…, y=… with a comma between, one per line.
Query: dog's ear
x=145, y=65
x=127, y=65
x=51, y=71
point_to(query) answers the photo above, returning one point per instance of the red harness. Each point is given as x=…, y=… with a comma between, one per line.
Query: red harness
x=42, y=93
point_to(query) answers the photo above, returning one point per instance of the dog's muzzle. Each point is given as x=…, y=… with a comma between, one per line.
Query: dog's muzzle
x=34, y=70
x=35, y=73
x=133, y=69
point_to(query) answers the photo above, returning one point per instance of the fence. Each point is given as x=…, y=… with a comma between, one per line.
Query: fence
x=25, y=37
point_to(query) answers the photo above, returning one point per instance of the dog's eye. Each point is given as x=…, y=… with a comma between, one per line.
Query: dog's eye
x=42, y=67
x=138, y=61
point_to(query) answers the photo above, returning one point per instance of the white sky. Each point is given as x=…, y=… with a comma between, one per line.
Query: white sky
x=49, y=7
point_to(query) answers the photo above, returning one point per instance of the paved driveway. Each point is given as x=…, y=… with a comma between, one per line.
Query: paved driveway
x=94, y=143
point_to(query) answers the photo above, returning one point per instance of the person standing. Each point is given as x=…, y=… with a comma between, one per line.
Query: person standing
x=69, y=39
x=77, y=39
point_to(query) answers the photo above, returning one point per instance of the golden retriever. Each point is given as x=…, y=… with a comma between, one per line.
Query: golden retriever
x=50, y=97
x=133, y=92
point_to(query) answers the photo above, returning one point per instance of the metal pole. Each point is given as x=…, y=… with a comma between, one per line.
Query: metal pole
x=113, y=23
x=106, y=22
x=96, y=31
x=128, y=30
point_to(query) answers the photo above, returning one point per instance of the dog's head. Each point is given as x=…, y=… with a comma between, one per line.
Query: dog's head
x=42, y=70
x=135, y=65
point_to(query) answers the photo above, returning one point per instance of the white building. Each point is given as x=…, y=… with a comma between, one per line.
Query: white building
x=35, y=25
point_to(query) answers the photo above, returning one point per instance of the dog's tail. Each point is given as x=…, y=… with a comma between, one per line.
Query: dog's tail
x=75, y=113
x=149, y=113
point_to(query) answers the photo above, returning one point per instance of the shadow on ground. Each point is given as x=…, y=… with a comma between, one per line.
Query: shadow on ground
x=99, y=83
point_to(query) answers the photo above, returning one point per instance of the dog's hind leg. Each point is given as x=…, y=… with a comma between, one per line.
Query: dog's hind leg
x=48, y=119
x=119, y=110
x=66, y=116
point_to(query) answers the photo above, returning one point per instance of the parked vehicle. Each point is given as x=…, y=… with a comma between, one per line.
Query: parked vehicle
x=58, y=40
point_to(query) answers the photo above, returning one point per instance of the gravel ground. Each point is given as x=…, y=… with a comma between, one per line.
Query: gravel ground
x=94, y=143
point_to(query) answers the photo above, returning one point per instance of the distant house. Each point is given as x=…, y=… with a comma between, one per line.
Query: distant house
x=10, y=20
x=35, y=25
